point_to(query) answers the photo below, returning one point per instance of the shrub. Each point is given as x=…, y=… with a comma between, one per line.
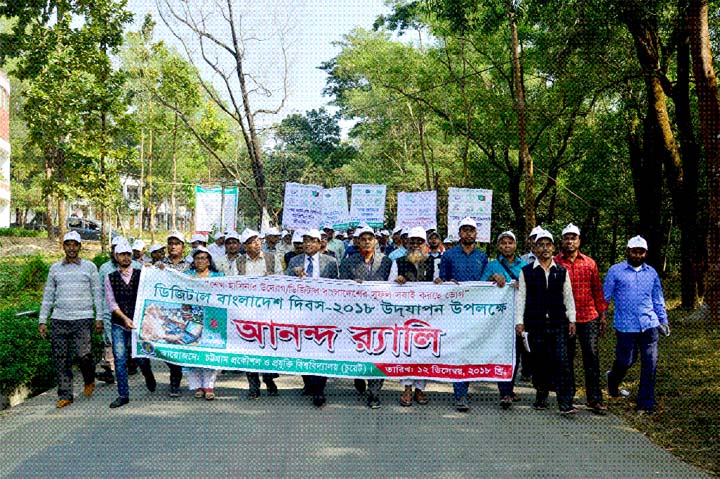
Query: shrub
x=15, y=231
x=100, y=259
x=25, y=358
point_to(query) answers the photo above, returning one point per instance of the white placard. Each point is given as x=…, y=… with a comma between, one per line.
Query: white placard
x=417, y=209
x=335, y=208
x=207, y=208
x=367, y=205
x=475, y=203
x=302, y=208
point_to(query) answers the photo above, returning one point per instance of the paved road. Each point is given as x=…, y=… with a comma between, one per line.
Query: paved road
x=158, y=436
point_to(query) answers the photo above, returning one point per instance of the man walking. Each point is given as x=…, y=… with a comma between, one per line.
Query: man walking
x=590, y=307
x=72, y=298
x=227, y=263
x=121, y=290
x=639, y=316
x=507, y=268
x=415, y=266
x=464, y=262
x=545, y=309
x=313, y=264
x=367, y=265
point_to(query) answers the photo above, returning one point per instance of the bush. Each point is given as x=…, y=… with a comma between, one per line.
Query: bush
x=15, y=231
x=100, y=259
x=25, y=358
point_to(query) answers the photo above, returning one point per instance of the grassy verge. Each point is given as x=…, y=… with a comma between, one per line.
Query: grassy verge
x=687, y=421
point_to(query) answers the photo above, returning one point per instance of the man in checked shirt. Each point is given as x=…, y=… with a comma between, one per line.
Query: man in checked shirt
x=590, y=307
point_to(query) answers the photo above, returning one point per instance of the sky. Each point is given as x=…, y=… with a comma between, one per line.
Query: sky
x=310, y=26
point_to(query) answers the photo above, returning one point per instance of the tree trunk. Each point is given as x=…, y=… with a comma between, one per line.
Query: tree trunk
x=709, y=108
x=141, y=185
x=151, y=223
x=526, y=161
x=49, y=202
x=174, y=185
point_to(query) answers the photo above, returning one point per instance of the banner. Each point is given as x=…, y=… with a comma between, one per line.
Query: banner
x=367, y=205
x=477, y=204
x=207, y=208
x=327, y=327
x=417, y=209
x=335, y=209
x=302, y=206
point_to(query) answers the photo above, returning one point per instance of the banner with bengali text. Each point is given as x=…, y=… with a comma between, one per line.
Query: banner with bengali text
x=326, y=327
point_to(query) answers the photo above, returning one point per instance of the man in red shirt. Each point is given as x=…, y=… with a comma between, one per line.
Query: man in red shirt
x=591, y=307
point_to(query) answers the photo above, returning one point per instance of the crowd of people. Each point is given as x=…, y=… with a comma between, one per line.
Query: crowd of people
x=560, y=301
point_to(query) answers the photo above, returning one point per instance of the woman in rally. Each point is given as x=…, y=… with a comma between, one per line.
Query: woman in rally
x=202, y=380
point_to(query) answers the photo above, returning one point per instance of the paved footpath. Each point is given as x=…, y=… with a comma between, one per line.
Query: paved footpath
x=275, y=437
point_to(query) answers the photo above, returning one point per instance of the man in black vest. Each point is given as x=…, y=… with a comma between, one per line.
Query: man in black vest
x=545, y=310
x=121, y=290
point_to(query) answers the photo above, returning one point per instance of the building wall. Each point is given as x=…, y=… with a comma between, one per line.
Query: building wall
x=4, y=151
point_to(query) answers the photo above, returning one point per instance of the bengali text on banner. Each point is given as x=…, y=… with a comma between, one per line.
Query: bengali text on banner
x=447, y=332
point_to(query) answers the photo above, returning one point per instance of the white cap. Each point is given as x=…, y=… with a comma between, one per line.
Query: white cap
x=570, y=229
x=536, y=230
x=398, y=229
x=297, y=237
x=72, y=236
x=637, y=242
x=384, y=232
x=328, y=227
x=199, y=237
x=232, y=235
x=362, y=230
x=219, y=234
x=506, y=234
x=284, y=233
x=201, y=249
x=467, y=221
x=544, y=234
x=177, y=235
x=272, y=231
x=138, y=245
x=156, y=247
x=116, y=240
x=417, y=232
x=123, y=247
x=449, y=239
x=247, y=234
x=313, y=233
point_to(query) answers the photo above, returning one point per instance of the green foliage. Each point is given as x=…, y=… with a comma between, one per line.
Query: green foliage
x=33, y=274
x=25, y=358
x=22, y=232
x=100, y=259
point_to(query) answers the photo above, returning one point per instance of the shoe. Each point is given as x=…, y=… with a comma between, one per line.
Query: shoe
x=515, y=397
x=360, y=385
x=568, y=410
x=199, y=394
x=174, y=391
x=319, y=400
x=150, y=382
x=407, y=397
x=462, y=405
x=63, y=402
x=105, y=376
x=540, y=404
x=272, y=389
x=253, y=394
x=373, y=402
x=88, y=390
x=506, y=402
x=420, y=397
x=209, y=395
x=119, y=402
x=597, y=407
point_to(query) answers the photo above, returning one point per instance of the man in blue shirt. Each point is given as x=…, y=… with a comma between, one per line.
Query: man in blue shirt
x=639, y=317
x=464, y=262
x=507, y=268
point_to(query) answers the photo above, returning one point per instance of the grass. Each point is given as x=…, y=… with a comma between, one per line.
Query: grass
x=687, y=419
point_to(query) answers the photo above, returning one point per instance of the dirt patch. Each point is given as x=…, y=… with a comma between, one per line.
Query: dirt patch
x=20, y=246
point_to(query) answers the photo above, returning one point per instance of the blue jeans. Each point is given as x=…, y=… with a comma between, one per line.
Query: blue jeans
x=460, y=389
x=627, y=349
x=120, y=341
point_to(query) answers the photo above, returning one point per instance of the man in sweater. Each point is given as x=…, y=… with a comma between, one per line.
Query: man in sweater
x=121, y=290
x=545, y=309
x=72, y=298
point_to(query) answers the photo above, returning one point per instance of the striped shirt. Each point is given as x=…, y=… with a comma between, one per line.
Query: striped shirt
x=72, y=292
